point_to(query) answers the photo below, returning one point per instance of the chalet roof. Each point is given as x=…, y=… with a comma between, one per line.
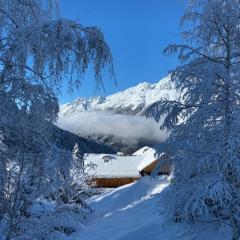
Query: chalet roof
x=113, y=166
x=118, y=166
x=148, y=158
x=142, y=151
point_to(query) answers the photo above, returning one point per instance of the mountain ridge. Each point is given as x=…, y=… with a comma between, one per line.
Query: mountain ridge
x=132, y=101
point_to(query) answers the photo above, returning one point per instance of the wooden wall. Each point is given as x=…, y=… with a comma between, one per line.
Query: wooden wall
x=165, y=169
x=113, y=182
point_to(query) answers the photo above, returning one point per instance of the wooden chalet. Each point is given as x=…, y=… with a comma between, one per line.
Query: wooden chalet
x=110, y=170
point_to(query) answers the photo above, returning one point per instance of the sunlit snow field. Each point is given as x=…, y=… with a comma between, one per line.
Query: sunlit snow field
x=134, y=211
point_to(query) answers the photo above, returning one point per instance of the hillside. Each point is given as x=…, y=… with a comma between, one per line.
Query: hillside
x=67, y=140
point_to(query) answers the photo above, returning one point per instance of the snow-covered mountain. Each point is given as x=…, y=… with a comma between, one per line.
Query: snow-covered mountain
x=117, y=120
x=132, y=101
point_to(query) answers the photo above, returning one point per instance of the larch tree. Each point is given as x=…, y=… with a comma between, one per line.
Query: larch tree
x=38, y=49
x=204, y=126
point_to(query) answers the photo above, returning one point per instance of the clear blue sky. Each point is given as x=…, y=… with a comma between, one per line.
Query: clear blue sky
x=137, y=31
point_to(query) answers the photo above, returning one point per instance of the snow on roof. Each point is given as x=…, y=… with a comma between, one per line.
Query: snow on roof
x=148, y=158
x=142, y=151
x=110, y=165
x=117, y=166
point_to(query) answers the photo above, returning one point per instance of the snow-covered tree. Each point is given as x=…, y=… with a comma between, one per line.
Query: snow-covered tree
x=205, y=128
x=78, y=161
x=38, y=49
x=80, y=181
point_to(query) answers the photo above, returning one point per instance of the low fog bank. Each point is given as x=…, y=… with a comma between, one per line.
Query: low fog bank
x=126, y=127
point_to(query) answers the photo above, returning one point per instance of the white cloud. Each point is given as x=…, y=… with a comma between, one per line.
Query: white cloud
x=131, y=128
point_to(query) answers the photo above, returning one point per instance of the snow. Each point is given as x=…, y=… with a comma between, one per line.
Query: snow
x=110, y=165
x=42, y=206
x=141, y=151
x=134, y=212
x=120, y=115
x=149, y=157
x=134, y=99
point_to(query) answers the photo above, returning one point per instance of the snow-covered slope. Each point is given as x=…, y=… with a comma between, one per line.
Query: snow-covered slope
x=131, y=101
x=134, y=212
